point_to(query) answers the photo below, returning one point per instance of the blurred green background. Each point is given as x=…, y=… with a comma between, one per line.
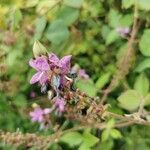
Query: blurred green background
x=87, y=30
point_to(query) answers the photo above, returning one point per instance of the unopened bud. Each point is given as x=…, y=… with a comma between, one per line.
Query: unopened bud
x=38, y=49
x=35, y=105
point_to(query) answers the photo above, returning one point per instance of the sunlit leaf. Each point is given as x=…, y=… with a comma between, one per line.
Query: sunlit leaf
x=129, y=100
x=144, y=43
x=142, y=84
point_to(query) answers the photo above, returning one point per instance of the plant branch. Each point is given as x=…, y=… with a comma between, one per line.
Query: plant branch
x=125, y=64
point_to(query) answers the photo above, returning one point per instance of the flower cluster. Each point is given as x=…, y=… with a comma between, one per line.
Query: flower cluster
x=56, y=79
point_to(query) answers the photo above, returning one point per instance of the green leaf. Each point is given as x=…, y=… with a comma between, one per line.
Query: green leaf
x=30, y=3
x=105, y=135
x=89, y=89
x=129, y=100
x=143, y=4
x=144, y=43
x=110, y=123
x=89, y=140
x=72, y=138
x=147, y=99
x=126, y=20
x=73, y=3
x=142, y=84
x=103, y=80
x=84, y=147
x=68, y=15
x=39, y=28
x=145, y=64
x=20, y=101
x=114, y=18
x=127, y=3
x=45, y=5
x=115, y=134
x=57, y=32
x=17, y=18
x=111, y=37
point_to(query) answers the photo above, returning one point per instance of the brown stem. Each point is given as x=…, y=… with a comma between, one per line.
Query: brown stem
x=124, y=66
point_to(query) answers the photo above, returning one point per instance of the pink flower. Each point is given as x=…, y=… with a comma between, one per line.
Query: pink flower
x=38, y=114
x=60, y=104
x=123, y=31
x=42, y=66
x=63, y=64
x=83, y=74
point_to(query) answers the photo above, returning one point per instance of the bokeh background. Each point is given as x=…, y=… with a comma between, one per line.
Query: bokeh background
x=85, y=29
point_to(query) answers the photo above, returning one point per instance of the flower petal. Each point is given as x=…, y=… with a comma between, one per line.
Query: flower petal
x=53, y=59
x=43, y=78
x=40, y=63
x=36, y=77
x=65, y=64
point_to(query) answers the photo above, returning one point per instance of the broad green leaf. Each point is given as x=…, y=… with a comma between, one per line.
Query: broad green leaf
x=114, y=18
x=145, y=64
x=129, y=100
x=115, y=134
x=87, y=86
x=142, y=84
x=57, y=32
x=103, y=80
x=111, y=37
x=30, y=3
x=144, y=43
x=45, y=5
x=84, y=147
x=89, y=140
x=126, y=20
x=72, y=138
x=17, y=18
x=143, y=4
x=127, y=3
x=110, y=123
x=39, y=28
x=68, y=15
x=20, y=100
x=147, y=99
x=105, y=135
x=73, y=3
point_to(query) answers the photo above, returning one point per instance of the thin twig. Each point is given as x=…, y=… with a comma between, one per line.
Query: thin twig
x=124, y=66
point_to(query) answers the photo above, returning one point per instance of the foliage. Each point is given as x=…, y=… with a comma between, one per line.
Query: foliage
x=85, y=29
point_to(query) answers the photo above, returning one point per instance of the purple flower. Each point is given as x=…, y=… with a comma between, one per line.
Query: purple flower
x=38, y=114
x=60, y=104
x=42, y=66
x=83, y=74
x=63, y=64
x=123, y=31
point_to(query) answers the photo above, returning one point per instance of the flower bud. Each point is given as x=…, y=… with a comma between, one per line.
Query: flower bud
x=38, y=49
x=35, y=105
